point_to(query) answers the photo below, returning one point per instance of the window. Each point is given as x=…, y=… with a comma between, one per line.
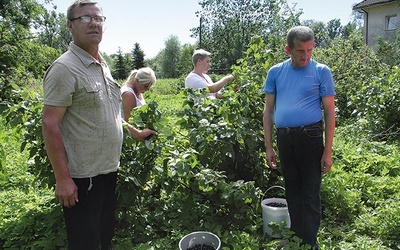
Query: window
x=391, y=22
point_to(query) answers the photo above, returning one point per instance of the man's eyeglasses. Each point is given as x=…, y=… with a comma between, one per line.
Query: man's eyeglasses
x=88, y=19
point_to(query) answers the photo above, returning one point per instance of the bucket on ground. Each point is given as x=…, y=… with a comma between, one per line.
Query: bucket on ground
x=274, y=210
x=200, y=238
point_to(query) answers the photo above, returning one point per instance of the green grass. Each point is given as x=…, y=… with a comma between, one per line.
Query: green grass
x=167, y=93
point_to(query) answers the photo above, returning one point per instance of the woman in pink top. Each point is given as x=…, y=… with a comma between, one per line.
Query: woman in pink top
x=138, y=82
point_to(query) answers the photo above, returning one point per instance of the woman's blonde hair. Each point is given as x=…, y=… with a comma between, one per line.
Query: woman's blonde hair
x=143, y=75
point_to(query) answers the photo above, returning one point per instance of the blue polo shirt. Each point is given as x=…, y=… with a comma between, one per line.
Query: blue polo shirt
x=298, y=92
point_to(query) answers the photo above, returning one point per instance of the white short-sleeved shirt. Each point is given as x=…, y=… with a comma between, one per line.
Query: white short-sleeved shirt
x=196, y=81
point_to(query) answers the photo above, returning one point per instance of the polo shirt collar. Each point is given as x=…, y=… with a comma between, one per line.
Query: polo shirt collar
x=85, y=57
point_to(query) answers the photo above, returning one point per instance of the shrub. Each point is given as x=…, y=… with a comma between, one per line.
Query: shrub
x=30, y=219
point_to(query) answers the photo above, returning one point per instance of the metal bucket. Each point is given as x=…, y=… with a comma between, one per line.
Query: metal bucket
x=274, y=214
x=200, y=238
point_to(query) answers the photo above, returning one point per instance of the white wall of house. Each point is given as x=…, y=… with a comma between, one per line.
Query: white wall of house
x=378, y=17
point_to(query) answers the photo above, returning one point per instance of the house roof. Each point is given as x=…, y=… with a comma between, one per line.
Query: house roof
x=369, y=3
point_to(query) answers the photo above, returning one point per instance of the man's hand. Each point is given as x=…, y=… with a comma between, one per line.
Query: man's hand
x=326, y=163
x=271, y=158
x=67, y=192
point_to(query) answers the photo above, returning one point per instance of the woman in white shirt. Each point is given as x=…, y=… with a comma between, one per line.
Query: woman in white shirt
x=138, y=82
x=198, y=79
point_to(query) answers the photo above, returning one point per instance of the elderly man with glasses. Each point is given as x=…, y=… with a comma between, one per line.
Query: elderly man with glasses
x=82, y=130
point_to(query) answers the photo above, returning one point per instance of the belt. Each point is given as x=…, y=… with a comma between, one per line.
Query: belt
x=300, y=128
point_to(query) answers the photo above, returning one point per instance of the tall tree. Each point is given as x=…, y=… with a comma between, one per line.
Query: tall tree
x=321, y=35
x=52, y=30
x=334, y=28
x=19, y=49
x=349, y=29
x=185, y=64
x=16, y=18
x=120, y=69
x=227, y=26
x=128, y=62
x=169, y=61
x=22, y=57
x=357, y=18
x=137, y=57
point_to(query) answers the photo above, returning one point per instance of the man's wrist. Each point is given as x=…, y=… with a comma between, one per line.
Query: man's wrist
x=268, y=145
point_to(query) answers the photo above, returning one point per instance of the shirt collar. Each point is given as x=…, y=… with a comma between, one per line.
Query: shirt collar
x=85, y=57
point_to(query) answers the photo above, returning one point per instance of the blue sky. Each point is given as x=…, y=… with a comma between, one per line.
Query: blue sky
x=150, y=23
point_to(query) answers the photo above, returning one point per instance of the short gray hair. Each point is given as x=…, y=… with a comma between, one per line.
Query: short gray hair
x=71, y=8
x=301, y=33
x=199, y=54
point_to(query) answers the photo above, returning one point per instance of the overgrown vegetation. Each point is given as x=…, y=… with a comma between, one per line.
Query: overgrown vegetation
x=205, y=169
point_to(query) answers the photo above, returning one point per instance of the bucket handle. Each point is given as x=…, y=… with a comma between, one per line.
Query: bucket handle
x=265, y=193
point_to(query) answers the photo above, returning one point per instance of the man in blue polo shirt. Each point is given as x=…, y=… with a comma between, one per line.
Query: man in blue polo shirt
x=296, y=89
